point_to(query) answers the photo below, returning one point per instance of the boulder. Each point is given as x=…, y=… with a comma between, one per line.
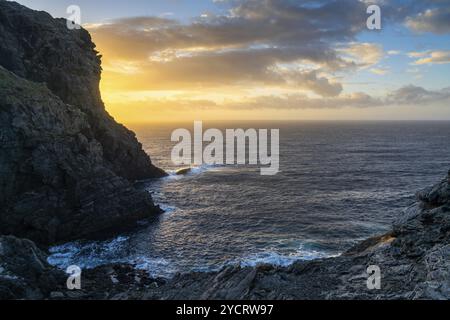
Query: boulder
x=24, y=271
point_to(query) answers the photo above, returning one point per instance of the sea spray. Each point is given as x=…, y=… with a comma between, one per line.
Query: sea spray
x=237, y=141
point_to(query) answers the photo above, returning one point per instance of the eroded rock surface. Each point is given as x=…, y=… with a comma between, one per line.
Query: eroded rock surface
x=24, y=271
x=66, y=167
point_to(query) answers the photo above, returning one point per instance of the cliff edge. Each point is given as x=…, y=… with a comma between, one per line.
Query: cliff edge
x=67, y=168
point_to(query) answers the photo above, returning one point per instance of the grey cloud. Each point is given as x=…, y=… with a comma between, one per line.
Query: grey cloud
x=230, y=68
x=252, y=22
x=249, y=43
x=358, y=100
x=320, y=85
x=409, y=95
x=435, y=20
x=413, y=95
x=406, y=96
x=243, y=45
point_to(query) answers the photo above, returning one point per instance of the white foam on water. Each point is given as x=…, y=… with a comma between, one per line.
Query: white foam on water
x=86, y=255
x=203, y=168
x=277, y=259
x=155, y=267
x=96, y=253
x=167, y=208
x=195, y=170
x=93, y=254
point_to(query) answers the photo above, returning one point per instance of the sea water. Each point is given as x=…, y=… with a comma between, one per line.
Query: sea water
x=339, y=183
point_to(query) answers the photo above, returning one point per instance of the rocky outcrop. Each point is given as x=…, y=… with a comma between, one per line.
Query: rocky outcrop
x=24, y=271
x=67, y=168
x=41, y=49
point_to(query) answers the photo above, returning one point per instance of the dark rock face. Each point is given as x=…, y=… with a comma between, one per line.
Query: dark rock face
x=42, y=49
x=66, y=166
x=66, y=169
x=24, y=271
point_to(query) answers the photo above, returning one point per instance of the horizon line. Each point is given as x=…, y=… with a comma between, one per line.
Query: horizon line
x=285, y=120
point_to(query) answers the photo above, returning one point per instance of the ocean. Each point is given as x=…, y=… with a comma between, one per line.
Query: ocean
x=339, y=183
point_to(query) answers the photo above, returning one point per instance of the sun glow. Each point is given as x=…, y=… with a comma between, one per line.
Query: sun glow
x=263, y=64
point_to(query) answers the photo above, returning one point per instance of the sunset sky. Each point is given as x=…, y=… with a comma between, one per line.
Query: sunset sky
x=268, y=59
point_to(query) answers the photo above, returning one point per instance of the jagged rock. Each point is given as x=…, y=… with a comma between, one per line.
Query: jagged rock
x=42, y=49
x=56, y=295
x=436, y=195
x=55, y=184
x=24, y=271
x=66, y=166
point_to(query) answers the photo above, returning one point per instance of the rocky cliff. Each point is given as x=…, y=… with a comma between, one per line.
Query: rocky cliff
x=66, y=171
x=67, y=168
x=24, y=271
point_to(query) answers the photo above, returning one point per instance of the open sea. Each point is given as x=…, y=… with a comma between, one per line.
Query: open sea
x=339, y=183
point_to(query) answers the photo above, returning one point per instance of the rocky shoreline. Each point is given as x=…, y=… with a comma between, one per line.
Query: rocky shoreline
x=68, y=172
x=414, y=259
